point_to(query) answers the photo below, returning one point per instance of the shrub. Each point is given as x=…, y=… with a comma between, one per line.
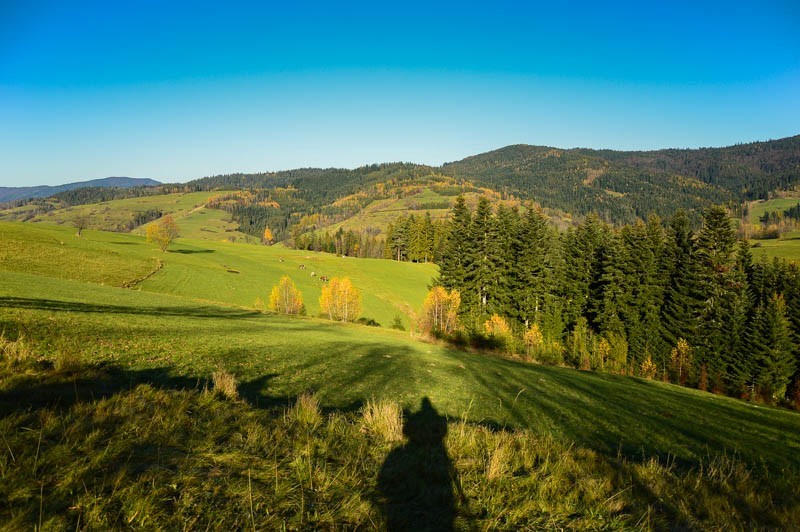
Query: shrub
x=648, y=368
x=397, y=323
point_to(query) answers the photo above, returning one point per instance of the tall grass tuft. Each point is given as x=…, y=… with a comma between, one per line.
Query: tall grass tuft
x=15, y=352
x=383, y=419
x=306, y=412
x=225, y=384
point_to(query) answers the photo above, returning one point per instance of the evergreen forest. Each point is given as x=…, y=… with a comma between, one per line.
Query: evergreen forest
x=657, y=300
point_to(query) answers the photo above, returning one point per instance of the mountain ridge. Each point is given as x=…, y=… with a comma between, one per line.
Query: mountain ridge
x=45, y=191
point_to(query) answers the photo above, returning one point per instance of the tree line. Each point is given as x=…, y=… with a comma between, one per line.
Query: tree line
x=669, y=302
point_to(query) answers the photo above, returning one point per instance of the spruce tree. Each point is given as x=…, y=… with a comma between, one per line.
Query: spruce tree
x=535, y=267
x=609, y=307
x=506, y=262
x=481, y=270
x=582, y=267
x=681, y=307
x=456, y=249
x=716, y=262
x=774, y=359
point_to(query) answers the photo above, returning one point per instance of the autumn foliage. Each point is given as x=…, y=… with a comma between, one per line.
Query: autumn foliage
x=340, y=300
x=162, y=232
x=440, y=311
x=285, y=297
x=498, y=329
x=267, y=237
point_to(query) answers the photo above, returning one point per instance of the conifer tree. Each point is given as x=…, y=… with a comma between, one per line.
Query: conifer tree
x=582, y=267
x=535, y=267
x=481, y=270
x=456, y=257
x=681, y=307
x=775, y=364
x=716, y=261
x=505, y=250
x=610, y=308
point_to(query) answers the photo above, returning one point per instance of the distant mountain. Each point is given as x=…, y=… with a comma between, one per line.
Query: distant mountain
x=44, y=191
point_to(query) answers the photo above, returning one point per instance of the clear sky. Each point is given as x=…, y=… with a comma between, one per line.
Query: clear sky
x=176, y=91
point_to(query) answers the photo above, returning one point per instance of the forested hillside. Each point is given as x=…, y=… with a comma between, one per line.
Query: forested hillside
x=309, y=207
x=685, y=306
x=619, y=186
x=749, y=171
x=580, y=181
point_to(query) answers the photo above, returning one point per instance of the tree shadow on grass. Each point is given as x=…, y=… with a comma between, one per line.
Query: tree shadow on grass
x=416, y=480
x=190, y=251
x=74, y=306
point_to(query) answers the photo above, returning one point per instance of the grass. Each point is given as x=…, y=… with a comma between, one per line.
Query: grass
x=203, y=223
x=787, y=247
x=209, y=271
x=380, y=213
x=109, y=215
x=168, y=339
x=758, y=208
x=167, y=457
x=195, y=220
x=106, y=419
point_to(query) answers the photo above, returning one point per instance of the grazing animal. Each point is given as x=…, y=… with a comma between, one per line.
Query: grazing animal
x=302, y=266
x=281, y=260
x=323, y=278
x=313, y=274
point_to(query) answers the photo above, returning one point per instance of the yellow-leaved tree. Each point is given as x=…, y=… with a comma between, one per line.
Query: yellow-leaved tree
x=440, y=311
x=162, y=232
x=267, y=237
x=534, y=340
x=498, y=329
x=285, y=297
x=340, y=300
x=681, y=360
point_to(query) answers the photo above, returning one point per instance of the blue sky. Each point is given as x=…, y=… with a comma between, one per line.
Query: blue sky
x=176, y=91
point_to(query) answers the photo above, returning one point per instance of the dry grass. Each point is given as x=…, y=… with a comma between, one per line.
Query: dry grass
x=306, y=412
x=383, y=420
x=15, y=352
x=225, y=384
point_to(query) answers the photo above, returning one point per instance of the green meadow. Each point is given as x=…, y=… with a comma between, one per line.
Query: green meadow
x=758, y=208
x=111, y=348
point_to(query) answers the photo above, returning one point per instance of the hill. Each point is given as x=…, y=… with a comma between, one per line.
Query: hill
x=8, y=194
x=113, y=426
x=620, y=186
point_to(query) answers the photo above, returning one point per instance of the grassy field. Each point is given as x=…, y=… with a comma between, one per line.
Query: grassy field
x=210, y=270
x=188, y=209
x=110, y=426
x=787, y=247
x=276, y=358
x=202, y=223
x=758, y=208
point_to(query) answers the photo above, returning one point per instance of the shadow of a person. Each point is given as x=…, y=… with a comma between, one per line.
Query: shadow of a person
x=416, y=480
